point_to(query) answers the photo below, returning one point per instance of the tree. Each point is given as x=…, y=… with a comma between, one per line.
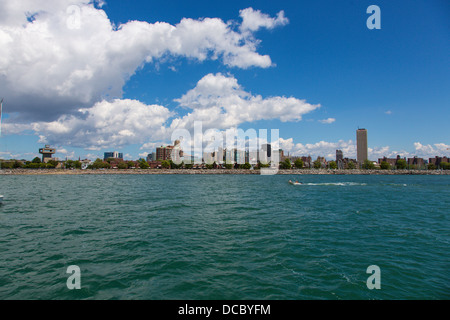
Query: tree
x=228, y=166
x=165, y=164
x=100, y=164
x=351, y=165
x=317, y=164
x=130, y=164
x=368, y=165
x=173, y=165
x=384, y=165
x=53, y=163
x=6, y=165
x=445, y=165
x=36, y=160
x=33, y=165
x=298, y=163
x=401, y=164
x=262, y=165
x=286, y=164
x=188, y=165
x=69, y=164
x=332, y=165
x=247, y=166
x=143, y=164
x=122, y=165
x=431, y=166
x=17, y=164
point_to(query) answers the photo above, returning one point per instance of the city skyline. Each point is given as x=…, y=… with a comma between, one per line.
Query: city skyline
x=236, y=64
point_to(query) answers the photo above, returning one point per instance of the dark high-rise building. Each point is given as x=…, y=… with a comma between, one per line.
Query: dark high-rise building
x=340, y=159
x=339, y=155
x=361, y=146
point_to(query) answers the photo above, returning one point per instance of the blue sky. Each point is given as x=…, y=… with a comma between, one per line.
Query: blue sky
x=393, y=81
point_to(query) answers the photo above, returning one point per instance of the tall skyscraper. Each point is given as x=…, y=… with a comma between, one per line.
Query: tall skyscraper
x=361, y=146
x=339, y=155
x=340, y=159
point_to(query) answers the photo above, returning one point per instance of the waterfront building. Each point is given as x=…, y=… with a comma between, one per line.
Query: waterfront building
x=391, y=161
x=361, y=146
x=164, y=153
x=151, y=157
x=47, y=153
x=219, y=155
x=437, y=160
x=114, y=155
x=85, y=164
x=239, y=156
x=347, y=161
x=229, y=156
x=323, y=161
x=253, y=157
x=418, y=162
x=307, y=161
x=268, y=149
x=340, y=159
x=154, y=164
x=281, y=156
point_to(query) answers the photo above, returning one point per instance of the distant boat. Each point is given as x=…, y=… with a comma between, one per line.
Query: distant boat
x=1, y=199
x=295, y=183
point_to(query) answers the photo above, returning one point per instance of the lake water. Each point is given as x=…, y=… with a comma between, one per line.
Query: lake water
x=224, y=236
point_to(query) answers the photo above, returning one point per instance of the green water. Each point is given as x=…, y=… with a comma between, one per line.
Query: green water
x=224, y=237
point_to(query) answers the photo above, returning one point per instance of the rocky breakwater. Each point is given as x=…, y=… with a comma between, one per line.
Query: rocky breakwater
x=218, y=171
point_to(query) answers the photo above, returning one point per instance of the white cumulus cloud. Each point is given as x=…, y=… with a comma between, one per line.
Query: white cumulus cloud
x=107, y=124
x=430, y=151
x=327, y=121
x=253, y=20
x=220, y=102
x=60, y=55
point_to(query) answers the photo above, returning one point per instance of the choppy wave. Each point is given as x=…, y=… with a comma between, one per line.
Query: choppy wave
x=228, y=237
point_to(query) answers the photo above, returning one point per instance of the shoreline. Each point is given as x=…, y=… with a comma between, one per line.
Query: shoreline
x=218, y=172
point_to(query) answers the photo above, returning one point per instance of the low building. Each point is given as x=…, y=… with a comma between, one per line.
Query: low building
x=391, y=161
x=437, y=160
x=154, y=164
x=307, y=162
x=418, y=162
x=85, y=164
